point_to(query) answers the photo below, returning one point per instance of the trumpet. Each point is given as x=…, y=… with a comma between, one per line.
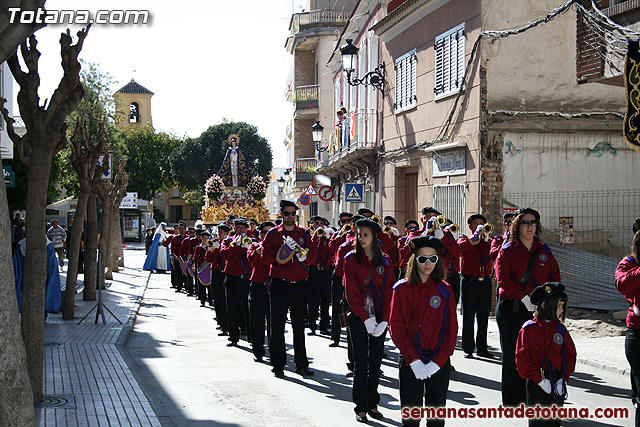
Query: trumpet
x=377, y=219
x=246, y=241
x=299, y=249
x=487, y=229
x=238, y=239
x=453, y=228
x=232, y=233
x=345, y=229
x=440, y=221
x=209, y=243
x=318, y=233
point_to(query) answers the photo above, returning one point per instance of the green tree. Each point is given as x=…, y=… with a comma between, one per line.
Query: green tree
x=194, y=198
x=147, y=155
x=193, y=162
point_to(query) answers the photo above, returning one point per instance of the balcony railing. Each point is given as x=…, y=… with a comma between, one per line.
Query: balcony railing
x=305, y=169
x=317, y=18
x=306, y=97
x=345, y=139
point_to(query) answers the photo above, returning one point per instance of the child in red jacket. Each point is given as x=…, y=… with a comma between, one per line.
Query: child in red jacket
x=545, y=353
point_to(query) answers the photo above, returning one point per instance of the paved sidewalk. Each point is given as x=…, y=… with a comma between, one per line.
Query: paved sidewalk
x=86, y=380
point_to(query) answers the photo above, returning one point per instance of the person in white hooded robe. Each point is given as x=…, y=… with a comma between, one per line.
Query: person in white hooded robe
x=158, y=256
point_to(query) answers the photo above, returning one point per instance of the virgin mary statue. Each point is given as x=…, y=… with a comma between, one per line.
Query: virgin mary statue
x=234, y=171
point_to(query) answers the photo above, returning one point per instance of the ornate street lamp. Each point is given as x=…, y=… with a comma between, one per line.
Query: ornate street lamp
x=373, y=78
x=316, y=135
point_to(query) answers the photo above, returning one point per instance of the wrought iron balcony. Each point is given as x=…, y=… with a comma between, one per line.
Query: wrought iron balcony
x=306, y=97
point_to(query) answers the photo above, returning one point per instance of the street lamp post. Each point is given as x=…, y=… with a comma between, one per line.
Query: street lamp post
x=373, y=78
x=316, y=134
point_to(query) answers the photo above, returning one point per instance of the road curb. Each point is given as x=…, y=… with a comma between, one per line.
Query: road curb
x=601, y=365
x=127, y=327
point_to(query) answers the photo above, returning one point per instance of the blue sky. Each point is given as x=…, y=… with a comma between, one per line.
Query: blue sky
x=205, y=60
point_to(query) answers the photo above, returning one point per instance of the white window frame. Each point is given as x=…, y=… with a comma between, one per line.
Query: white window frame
x=405, y=67
x=449, y=50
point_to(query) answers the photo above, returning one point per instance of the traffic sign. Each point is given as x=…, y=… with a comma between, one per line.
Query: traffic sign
x=354, y=192
x=325, y=193
x=311, y=190
x=130, y=201
x=305, y=199
x=9, y=177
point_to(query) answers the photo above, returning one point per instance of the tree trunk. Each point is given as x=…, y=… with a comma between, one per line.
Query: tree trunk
x=105, y=234
x=35, y=266
x=115, y=242
x=74, y=253
x=90, y=249
x=16, y=396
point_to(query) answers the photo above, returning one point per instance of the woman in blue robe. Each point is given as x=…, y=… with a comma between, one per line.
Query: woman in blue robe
x=53, y=296
x=158, y=256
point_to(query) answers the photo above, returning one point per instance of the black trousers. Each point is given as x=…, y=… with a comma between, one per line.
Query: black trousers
x=509, y=323
x=432, y=392
x=318, y=298
x=284, y=296
x=205, y=292
x=237, y=306
x=476, y=301
x=367, y=358
x=189, y=284
x=337, y=295
x=632, y=351
x=217, y=282
x=259, y=315
x=177, y=278
x=537, y=396
x=346, y=309
x=454, y=280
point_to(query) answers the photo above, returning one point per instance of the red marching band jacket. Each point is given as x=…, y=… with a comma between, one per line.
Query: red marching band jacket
x=236, y=258
x=476, y=260
x=334, y=247
x=418, y=315
x=628, y=284
x=404, y=251
x=259, y=273
x=325, y=258
x=379, y=287
x=293, y=270
x=541, y=339
x=174, y=243
x=511, y=265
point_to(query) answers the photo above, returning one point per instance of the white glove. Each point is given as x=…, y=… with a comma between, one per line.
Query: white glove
x=291, y=243
x=560, y=387
x=430, y=223
x=215, y=244
x=432, y=368
x=370, y=324
x=329, y=231
x=478, y=230
x=395, y=231
x=546, y=386
x=527, y=303
x=301, y=257
x=486, y=237
x=438, y=233
x=419, y=369
x=379, y=330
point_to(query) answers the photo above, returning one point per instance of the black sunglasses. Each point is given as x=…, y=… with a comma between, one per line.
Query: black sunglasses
x=285, y=213
x=526, y=222
x=342, y=221
x=423, y=258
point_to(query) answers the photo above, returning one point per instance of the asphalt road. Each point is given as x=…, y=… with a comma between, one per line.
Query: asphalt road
x=192, y=379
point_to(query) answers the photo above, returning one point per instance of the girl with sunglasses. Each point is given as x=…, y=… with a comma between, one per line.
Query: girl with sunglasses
x=523, y=263
x=424, y=327
x=368, y=276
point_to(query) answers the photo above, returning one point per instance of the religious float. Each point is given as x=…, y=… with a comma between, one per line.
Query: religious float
x=232, y=191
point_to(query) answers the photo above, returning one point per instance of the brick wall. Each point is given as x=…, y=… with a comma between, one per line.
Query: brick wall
x=589, y=63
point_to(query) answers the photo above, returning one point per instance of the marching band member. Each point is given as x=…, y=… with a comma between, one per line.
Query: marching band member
x=337, y=290
x=203, y=269
x=522, y=264
x=253, y=231
x=258, y=294
x=238, y=271
x=498, y=241
x=288, y=250
x=391, y=222
x=628, y=284
x=424, y=327
x=545, y=352
x=174, y=242
x=186, y=252
x=320, y=279
x=367, y=280
x=477, y=270
x=366, y=213
x=412, y=230
x=218, y=279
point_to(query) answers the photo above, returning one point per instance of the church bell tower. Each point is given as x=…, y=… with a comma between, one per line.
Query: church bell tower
x=134, y=101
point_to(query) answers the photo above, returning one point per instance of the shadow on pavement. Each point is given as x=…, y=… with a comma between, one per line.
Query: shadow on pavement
x=595, y=385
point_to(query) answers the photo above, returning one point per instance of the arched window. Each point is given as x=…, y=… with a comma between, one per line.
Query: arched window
x=134, y=113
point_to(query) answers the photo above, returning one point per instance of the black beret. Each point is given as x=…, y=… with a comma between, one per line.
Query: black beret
x=206, y=233
x=390, y=218
x=525, y=211
x=363, y=211
x=343, y=214
x=411, y=221
x=508, y=215
x=326, y=221
x=430, y=209
x=231, y=217
x=191, y=227
x=182, y=223
x=365, y=222
x=356, y=218
x=265, y=224
x=425, y=242
x=176, y=225
x=240, y=221
x=315, y=218
x=198, y=231
x=223, y=226
x=543, y=291
x=286, y=203
x=476, y=216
